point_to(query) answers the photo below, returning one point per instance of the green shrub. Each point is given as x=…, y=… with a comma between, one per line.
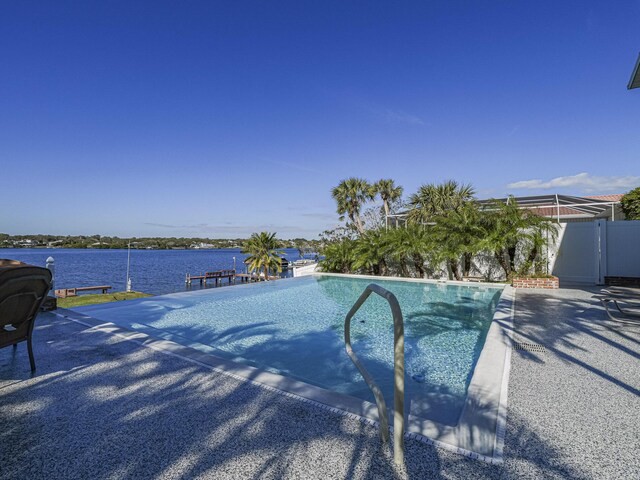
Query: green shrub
x=339, y=256
x=630, y=204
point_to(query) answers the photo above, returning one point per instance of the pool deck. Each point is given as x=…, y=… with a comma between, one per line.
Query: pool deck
x=103, y=406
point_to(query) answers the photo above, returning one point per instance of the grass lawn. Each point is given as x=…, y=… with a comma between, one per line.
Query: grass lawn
x=91, y=299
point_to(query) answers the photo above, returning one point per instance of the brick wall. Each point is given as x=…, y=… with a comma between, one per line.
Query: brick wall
x=524, y=282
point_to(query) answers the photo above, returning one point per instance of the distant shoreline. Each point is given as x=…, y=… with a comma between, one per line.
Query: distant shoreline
x=100, y=242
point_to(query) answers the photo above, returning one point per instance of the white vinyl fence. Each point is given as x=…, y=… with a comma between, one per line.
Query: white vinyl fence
x=587, y=252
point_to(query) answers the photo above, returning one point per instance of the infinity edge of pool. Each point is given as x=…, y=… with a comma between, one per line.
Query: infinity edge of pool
x=479, y=432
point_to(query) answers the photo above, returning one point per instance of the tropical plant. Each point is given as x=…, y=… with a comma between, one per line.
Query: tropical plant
x=389, y=193
x=506, y=226
x=369, y=252
x=459, y=236
x=446, y=226
x=433, y=200
x=350, y=195
x=339, y=256
x=630, y=204
x=502, y=225
x=263, y=254
x=410, y=245
x=537, y=237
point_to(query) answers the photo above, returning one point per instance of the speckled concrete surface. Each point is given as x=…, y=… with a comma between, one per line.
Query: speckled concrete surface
x=574, y=411
x=103, y=407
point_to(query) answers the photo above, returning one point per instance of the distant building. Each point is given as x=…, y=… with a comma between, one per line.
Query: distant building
x=26, y=243
x=198, y=246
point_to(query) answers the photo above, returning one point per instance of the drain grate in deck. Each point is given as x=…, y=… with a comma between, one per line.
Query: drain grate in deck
x=529, y=347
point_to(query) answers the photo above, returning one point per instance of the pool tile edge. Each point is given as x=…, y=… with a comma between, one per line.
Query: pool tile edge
x=432, y=281
x=482, y=424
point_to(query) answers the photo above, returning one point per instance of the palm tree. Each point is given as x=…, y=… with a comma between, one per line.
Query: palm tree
x=369, y=252
x=538, y=235
x=399, y=247
x=339, y=256
x=389, y=193
x=411, y=244
x=433, y=200
x=263, y=255
x=506, y=226
x=420, y=246
x=459, y=235
x=350, y=195
x=502, y=226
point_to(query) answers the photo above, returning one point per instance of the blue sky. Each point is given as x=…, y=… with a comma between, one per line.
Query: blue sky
x=221, y=119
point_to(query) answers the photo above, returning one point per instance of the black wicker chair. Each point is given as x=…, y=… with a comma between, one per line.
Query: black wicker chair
x=23, y=289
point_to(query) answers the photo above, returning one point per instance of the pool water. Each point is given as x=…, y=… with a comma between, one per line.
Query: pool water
x=295, y=327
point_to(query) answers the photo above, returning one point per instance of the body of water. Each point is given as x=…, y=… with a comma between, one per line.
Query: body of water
x=295, y=327
x=151, y=271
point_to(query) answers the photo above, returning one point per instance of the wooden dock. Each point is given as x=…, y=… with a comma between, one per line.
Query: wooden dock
x=230, y=275
x=217, y=276
x=246, y=277
x=72, y=292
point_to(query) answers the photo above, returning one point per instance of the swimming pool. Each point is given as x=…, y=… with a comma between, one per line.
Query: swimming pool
x=295, y=328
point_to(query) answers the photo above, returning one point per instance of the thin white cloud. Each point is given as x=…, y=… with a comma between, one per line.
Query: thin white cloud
x=581, y=181
x=397, y=116
x=390, y=115
x=381, y=112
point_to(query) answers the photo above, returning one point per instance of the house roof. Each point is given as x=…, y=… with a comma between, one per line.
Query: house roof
x=562, y=211
x=610, y=198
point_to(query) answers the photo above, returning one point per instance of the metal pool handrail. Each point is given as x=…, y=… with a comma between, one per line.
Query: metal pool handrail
x=398, y=360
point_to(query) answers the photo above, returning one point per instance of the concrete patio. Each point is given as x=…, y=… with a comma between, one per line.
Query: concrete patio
x=102, y=406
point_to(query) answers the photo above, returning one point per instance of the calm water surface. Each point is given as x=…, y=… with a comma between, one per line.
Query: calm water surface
x=295, y=327
x=152, y=271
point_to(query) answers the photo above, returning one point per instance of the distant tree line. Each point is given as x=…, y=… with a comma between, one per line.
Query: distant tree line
x=155, y=243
